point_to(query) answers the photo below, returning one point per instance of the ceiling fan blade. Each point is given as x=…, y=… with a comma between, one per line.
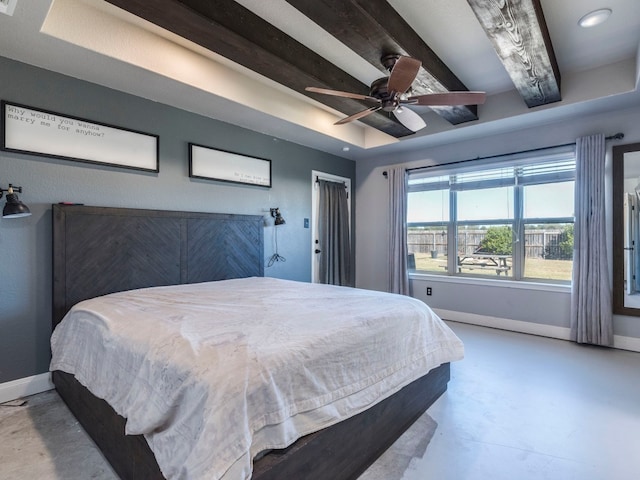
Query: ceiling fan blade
x=409, y=119
x=448, y=98
x=403, y=74
x=338, y=93
x=358, y=115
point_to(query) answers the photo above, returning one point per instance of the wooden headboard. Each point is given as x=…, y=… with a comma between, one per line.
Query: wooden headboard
x=100, y=250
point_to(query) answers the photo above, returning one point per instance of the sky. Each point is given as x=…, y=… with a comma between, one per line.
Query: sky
x=540, y=201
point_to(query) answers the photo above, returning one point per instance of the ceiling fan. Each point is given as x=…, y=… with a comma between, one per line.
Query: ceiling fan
x=389, y=94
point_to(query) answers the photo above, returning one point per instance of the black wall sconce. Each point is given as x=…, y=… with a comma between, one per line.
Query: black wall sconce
x=14, y=208
x=275, y=213
x=276, y=257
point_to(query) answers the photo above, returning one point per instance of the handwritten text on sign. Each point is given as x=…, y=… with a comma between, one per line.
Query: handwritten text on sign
x=48, y=133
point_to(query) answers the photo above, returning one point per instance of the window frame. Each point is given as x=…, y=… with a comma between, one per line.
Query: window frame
x=528, y=169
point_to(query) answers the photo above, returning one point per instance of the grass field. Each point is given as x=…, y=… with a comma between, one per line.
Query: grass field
x=535, y=268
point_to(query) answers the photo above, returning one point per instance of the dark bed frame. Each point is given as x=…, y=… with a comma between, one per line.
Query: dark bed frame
x=99, y=250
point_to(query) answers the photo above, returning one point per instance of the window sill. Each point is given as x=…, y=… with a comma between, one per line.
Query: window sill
x=490, y=282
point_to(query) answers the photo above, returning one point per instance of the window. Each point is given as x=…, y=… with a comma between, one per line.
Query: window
x=511, y=221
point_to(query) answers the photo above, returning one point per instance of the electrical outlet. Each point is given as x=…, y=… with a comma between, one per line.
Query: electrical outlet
x=306, y=223
x=429, y=291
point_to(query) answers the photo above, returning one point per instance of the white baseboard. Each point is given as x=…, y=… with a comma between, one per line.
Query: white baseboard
x=23, y=387
x=505, y=324
x=551, y=331
x=626, y=343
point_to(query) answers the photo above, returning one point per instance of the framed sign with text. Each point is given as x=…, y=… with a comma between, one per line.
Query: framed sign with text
x=212, y=164
x=45, y=133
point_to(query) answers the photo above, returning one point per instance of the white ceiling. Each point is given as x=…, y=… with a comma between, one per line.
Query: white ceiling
x=94, y=41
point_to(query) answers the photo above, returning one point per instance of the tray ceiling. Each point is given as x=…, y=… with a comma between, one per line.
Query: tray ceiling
x=372, y=29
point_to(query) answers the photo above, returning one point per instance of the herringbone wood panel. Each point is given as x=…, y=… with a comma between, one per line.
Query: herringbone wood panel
x=107, y=254
x=238, y=242
x=104, y=250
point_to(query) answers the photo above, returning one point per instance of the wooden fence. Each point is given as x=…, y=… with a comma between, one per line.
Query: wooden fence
x=539, y=243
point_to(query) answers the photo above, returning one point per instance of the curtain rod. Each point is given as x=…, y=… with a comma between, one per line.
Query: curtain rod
x=331, y=181
x=617, y=136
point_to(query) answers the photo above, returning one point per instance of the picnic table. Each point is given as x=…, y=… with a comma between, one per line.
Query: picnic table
x=484, y=261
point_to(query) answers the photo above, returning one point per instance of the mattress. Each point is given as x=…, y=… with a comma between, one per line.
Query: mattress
x=214, y=373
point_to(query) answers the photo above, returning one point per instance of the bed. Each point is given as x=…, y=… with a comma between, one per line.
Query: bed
x=178, y=257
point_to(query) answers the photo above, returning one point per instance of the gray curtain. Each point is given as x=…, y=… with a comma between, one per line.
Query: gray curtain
x=591, y=314
x=398, y=276
x=333, y=233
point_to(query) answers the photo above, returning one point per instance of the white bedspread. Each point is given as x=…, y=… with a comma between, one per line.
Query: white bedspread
x=214, y=373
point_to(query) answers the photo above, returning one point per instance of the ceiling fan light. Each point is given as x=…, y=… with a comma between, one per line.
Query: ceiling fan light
x=594, y=18
x=409, y=119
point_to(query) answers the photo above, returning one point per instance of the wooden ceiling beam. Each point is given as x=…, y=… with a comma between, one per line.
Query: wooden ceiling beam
x=518, y=31
x=229, y=29
x=373, y=29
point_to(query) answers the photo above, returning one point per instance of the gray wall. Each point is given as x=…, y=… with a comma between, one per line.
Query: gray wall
x=546, y=307
x=25, y=261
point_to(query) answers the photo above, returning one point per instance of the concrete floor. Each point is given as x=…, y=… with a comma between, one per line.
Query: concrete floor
x=531, y=408
x=518, y=407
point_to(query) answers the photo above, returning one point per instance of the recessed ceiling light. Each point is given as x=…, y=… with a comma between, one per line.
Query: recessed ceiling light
x=594, y=18
x=345, y=149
